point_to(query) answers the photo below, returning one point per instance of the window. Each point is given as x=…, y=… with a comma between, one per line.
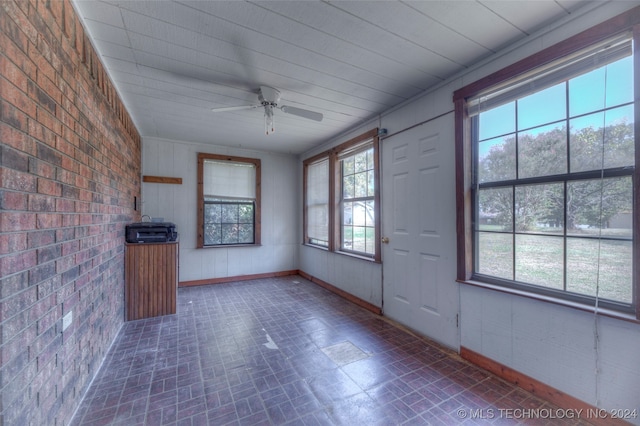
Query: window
x=229, y=201
x=357, y=202
x=342, y=198
x=546, y=165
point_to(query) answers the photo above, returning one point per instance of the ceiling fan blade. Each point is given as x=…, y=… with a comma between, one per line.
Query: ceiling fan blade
x=235, y=108
x=304, y=113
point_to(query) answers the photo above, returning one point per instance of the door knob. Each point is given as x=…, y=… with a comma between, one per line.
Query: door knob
x=385, y=240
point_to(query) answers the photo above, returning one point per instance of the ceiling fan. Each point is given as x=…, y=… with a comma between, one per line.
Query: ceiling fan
x=269, y=98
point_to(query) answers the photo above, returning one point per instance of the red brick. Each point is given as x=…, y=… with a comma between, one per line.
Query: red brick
x=45, y=96
x=48, y=220
x=17, y=262
x=42, y=168
x=41, y=133
x=49, y=253
x=49, y=121
x=64, y=264
x=11, y=222
x=11, y=243
x=18, y=181
x=70, y=220
x=13, y=137
x=10, y=200
x=17, y=98
x=41, y=238
x=65, y=206
x=42, y=273
x=41, y=203
x=13, y=73
x=49, y=187
x=13, y=116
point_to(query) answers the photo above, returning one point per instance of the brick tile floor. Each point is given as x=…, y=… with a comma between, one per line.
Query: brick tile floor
x=285, y=351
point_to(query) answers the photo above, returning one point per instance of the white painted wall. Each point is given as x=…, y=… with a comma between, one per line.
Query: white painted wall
x=178, y=204
x=553, y=344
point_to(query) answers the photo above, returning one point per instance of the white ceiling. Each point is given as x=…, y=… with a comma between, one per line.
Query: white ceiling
x=173, y=61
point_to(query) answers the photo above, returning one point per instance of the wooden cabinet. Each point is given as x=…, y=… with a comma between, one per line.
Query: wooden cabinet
x=151, y=279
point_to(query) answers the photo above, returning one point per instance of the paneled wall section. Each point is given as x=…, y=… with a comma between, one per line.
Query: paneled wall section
x=70, y=159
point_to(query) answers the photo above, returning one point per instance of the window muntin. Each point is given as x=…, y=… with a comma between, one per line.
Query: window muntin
x=553, y=185
x=229, y=200
x=343, y=183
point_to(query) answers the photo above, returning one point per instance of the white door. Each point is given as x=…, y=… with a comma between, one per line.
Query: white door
x=418, y=219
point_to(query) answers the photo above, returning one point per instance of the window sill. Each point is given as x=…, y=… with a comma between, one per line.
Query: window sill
x=554, y=300
x=230, y=246
x=344, y=253
x=357, y=256
x=315, y=246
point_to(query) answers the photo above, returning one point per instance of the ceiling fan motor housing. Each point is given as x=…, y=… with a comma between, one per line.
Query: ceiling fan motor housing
x=269, y=96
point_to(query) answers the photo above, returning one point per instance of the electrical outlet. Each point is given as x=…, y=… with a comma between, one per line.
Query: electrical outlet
x=67, y=320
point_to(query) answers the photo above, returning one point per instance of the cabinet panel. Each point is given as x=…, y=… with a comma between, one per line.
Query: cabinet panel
x=151, y=279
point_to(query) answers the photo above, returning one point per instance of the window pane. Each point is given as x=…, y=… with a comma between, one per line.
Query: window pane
x=606, y=264
x=370, y=235
x=347, y=213
x=347, y=237
x=359, y=214
x=600, y=207
x=620, y=82
x=542, y=151
x=212, y=213
x=587, y=139
x=229, y=213
x=371, y=190
x=545, y=106
x=370, y=219
x=229, y=233
x=361, y=184
x=497, y=159
x=361, y=162
x=498, y=121
x=495, y=209
x=212, y=234
x=586, y=92
x=495, y=254
x=540, y=208
x=619, y=140
x=370, y=159
x=348, y=186
x=585, y=142
x=539, y=260
x=348, y=165
x=245, y=233
x=245, y=213
x=359, y=243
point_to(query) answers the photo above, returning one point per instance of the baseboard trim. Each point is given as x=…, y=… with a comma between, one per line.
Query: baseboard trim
x=224, y=280
x=590, y=413
x=350, y=297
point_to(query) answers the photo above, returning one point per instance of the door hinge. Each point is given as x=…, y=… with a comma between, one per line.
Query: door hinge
x=457, y=320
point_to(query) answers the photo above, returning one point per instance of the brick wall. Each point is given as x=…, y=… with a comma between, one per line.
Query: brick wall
x=70, y=169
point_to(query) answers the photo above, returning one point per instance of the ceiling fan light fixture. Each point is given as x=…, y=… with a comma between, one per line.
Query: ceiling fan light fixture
x=268, y=118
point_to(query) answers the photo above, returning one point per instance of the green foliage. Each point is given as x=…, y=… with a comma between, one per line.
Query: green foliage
x=589, y=203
